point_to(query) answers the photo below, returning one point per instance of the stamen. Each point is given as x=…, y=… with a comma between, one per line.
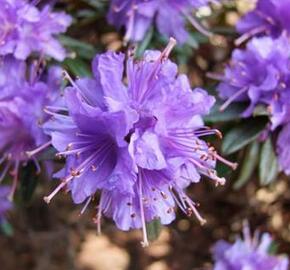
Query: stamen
x=74, y=84
x=166, y=52
x=232, y=165
x=196, y=24
x=86, y=205
x=215, y=76
x=86, y=164
x=5, y=170
x=37, y=165
x=99, y=215
x=248, y=35
x=145, y=242
x=39, y=149
x=232, y=98
x=14, y=173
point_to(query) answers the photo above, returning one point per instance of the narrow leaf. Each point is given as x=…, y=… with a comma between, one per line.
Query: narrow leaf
x=249, y=164
x=77, y=67
x=243, y=134
x=153, y=229
x=82, y=49
x=268, y=167
x=6, y=228
x=233, y=112
x=144, y=43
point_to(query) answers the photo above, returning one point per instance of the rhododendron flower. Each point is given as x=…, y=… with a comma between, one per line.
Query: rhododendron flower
x=248, y=253
x=260, y=75
x=138, y=143
x=21, y=113
x=270, y=17
x=24, y=29
x=169, y=16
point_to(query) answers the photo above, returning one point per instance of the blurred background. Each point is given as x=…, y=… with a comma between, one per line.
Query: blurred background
x=55, y=237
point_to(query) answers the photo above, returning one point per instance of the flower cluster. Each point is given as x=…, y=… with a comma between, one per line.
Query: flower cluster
x=21, y=112
x=248, y=253
x=138, y=143
x=138, y=15
x=260, y=73
x=270, y=17
x=24, y=29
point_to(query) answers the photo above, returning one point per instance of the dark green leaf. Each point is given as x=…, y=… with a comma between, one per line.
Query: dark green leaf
x=78, y=67
x=28, y=181
x=260, y=110
x=243, y=134
x=144, y=44
x=82, y=49
x=6, y=228
x=233, y=112
x=273, y=249
x=249, y=164
x=153, y=229
x=48, y=154
x=268, y=167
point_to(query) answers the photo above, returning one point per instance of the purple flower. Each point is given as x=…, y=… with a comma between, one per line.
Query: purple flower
x=169, y=16
x=248, y=253
x=270, y=17
x=21, y=113
x=24, y=30
x=5, y=204
x=283, y=148
x=260, y=74
x=138, y=143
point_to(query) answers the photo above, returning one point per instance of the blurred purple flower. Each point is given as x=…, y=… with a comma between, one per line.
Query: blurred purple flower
x=169, y=16
x=260, y=74
x=21, y=113
x=248, y=253
x=139, y=143
x=270, y=17
x=24, y=29
x=5, y=203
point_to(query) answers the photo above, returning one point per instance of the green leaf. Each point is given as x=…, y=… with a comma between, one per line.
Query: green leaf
x=273, y=249
x=243, y=134
x=249, y=164
x=6, y=228
x=233, y=112
x=28, y=182
x=268, y=167
x=144, y=44
x=78, y=67
x=260, y=110
x=153, y=229
x=48, y=154
x=82, y=49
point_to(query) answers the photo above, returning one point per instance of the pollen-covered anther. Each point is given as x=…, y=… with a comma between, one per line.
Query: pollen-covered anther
x=163, y=194
x=93, y=168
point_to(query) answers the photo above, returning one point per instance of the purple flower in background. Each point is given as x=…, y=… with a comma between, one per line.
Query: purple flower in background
x=21, y=113
x=24, y=29
x=5, y=204
x=248, y=253
x=283, y=149
x=138, y=143
x=260, y=74
x=270, y=17
x=169, y=16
